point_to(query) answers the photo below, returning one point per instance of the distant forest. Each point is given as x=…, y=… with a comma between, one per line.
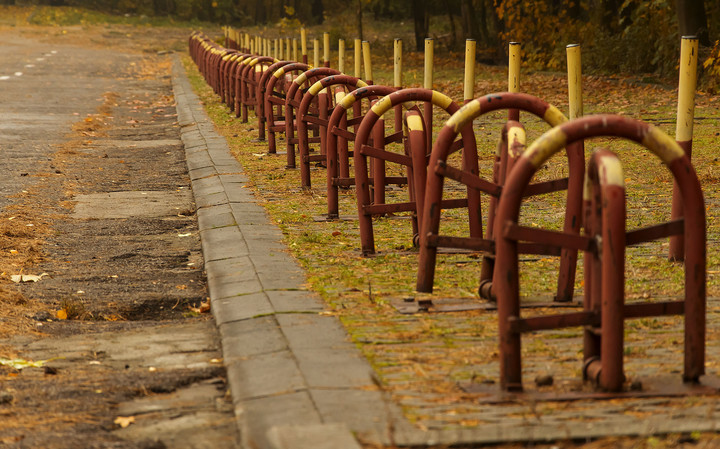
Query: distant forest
x=620, y=35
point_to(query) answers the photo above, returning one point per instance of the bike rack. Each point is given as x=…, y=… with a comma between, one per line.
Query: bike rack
x=261, y=97
x=273, y=99
x=292, y=102
x=338, y=156
x=604, y=243
x=431, y=240
x=249, y=78
x=304, y=117
x=367, y=208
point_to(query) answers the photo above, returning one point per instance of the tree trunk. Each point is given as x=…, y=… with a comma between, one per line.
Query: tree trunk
x=469, y=20
x=421, y=20
x=453, y=31
x=692, y=20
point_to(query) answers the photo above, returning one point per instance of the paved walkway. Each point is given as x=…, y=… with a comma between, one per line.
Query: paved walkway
x=296, y=379
x=297, y=382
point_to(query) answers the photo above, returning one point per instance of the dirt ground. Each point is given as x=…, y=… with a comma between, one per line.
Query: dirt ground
x=102, y=213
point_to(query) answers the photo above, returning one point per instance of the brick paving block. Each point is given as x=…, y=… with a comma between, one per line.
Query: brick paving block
x=213, y=217
x=211, y=199
x=269, y=374
x=323, y=436
x=239, y=267
x=312, y=331
x=247, y=338
x=201, y=172
x=241, y=307
x=198, y=160
x=261, y=414
x=223, y=243
x=333, y=368
x=372, y=417
x=284, y=301
x=230, y=287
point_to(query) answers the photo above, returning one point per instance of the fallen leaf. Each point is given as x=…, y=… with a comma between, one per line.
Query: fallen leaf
x=19, y=364
x=27, y=277
x=185, y=235
x=61, y=314
x=124, y=421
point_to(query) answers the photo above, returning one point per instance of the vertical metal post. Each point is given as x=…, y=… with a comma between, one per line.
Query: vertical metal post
x=684, y=127
x=514, y=76
x=469, y=86
x=316, y=52
x=397, y=80
x=358, y=58
x=295, y=49
x=303, y=45
x=428, y=84
x=341, y=55
x=326, y=49
x=367, y=62
x=573, y=207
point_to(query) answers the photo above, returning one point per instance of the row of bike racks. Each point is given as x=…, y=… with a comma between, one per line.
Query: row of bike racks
x=313, y=105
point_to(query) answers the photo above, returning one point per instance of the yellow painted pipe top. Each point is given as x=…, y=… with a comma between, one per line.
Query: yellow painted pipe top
x=341, y=55
x=398, y=60
x=358, y=58
x=514, y=67
x=469, y=86
x=429, y=56
x=574, y=69
x=367, y=60
x=686, y=88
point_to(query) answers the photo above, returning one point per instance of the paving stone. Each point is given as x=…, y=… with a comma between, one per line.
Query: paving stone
x=284, y=301
x=212, y=217
x=261, y=414
x=323, y=436
x=251, y=337
x=241, y=307
x=269, y=374
x=223, y=243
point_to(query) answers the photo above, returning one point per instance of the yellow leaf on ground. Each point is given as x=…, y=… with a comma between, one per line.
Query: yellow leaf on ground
x=61, y=314
x=124, y=421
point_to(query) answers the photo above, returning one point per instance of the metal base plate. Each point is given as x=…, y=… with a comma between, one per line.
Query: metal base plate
x=571, y=390
x=438, y=305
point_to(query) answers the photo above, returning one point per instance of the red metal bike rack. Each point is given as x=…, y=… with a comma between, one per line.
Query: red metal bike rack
x=366, y=208
x=261, y=97
x=604, y=244
x=439, y=169
x=304, y=117
x=338, y=156
x=276, y=98
x=249, y=79
x=292, y=102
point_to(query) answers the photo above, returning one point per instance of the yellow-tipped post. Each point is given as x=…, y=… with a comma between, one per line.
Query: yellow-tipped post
x=469, y=86
x=684, y=127
x=326, y=49
x=428, y=84
x=316, y=52
x=358, y=58
x=367, y=61
x=303, y=45
x=397, y=60
x=574, y=70
x=398, y=81
x=514, y=75
x=568, y=258
x=341, y=55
